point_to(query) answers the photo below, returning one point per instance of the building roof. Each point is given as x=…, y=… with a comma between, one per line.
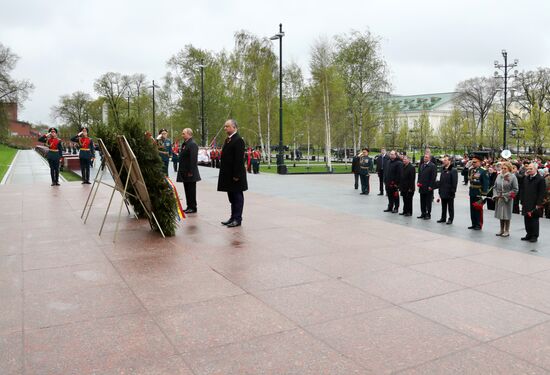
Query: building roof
x=424, y=102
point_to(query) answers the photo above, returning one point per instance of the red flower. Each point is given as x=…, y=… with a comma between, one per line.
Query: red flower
x=512, y=195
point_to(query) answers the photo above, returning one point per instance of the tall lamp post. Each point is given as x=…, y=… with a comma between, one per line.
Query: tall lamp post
x=505, y=69
x=281, y=167
x=202, y=66
x=128, y=104
x=153, y=86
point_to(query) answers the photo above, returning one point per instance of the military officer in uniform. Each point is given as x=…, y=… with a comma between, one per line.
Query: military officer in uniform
x=165, y=149
x=365, y=165
x=479, y=184
x=55, y=153
x=86, y=154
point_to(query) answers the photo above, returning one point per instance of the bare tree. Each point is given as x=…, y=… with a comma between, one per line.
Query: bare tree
x=11, y=90
x=476, y=97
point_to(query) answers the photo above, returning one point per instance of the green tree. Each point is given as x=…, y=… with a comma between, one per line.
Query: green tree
x=450, y=132
x=364, y=73
x=113, y=87
x=73, y=110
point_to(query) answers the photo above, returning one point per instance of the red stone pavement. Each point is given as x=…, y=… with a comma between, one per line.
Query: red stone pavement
x=296, y=290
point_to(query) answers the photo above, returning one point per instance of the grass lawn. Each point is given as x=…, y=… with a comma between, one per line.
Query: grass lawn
x=70, y=176
x=6, y=157
x=303, y=168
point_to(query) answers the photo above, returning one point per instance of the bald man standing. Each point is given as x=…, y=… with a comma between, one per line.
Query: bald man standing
x=232, y=177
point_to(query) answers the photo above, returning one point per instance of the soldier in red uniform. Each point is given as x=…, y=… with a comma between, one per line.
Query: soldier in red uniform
x=256, y=156
x=86, y=155
x=55, y=153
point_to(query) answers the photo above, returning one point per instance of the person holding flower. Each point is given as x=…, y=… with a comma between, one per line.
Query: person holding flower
x=505, y=191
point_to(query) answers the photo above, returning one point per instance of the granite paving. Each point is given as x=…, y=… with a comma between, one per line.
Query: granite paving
x=318, y=280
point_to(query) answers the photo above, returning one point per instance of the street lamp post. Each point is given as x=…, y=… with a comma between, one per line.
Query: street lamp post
x=281, y=168
x=505, y=69
x=128, y=104
x=202, y=66
x=154, y=123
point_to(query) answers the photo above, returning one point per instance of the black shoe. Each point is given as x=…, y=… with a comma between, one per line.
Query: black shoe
x=427, y=217
x=526, y=238
x=449, y=222
x=402, y=213
x=362, y=193
x=234, y=224
x=387, y=210
x=53, y=184
x=190, y=211
x=380, y=193
x=421, y=217
x=532, y=239
x=356, y=187
x=441, y=221
x=87, y=182
x=471, y=227
x=394, y=211
x=477, y=228
x=57, y=184
x=227, y=222
x=407, y=214
x=83, y=182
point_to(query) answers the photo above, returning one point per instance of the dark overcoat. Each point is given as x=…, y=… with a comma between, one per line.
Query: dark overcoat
x=427, y=177
x=392, y=172
x=188, y=170
x=232, y=175
x=532, y=193
x=408, y=179
x=448, y=181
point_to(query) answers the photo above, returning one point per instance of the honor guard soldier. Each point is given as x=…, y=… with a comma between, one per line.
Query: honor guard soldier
x=165, y=148
x=365, y=165
x=256, y=156
x=86, y=154
x=55, y=153
x=479, y=184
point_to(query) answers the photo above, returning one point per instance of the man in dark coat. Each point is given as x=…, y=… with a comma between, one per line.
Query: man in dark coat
x=380, y=163
x=447, y=189
x=232, y=177
x=532, y=199
x=355, y=170
x=426, y=185
x=188, y=172
x=392, y=176
x=406, y=185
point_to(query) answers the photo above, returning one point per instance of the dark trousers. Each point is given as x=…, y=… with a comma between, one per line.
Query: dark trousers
x=165, y=166
x=408, y=202
x=474, y=214
x=85, y=169
x=356, y=176
x=393, y=198
x=365, y=183
x=190, y=194
x=381, y=181
x=426, y=203
x=176, y=162
x=54, y=170
x=255, y=166
x=236, y=198
x=532, y=226
x=448, y=205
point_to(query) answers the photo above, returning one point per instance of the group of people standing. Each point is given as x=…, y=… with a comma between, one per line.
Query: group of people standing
x=401, y=180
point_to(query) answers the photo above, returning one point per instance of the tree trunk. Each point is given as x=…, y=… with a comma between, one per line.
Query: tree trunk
x=260, y=129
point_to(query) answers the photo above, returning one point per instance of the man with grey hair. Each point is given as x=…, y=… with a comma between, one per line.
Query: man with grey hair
x=232, y=177
x=188, y=172
x=532, y=198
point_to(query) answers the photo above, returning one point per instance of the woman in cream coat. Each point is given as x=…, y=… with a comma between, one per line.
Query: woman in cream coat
x=504, y=193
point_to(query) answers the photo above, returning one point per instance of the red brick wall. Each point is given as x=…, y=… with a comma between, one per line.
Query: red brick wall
x=11, y=111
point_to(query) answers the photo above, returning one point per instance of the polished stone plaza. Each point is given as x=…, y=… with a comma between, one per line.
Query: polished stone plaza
x=318, y=280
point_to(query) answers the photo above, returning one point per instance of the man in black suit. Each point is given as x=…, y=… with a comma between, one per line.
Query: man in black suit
x=232, y=177
x=448, y=181
x=406, y=185
x=392, y=176
x=188, y=170
x=380, y=163
x=532, y=199
x=426, y=185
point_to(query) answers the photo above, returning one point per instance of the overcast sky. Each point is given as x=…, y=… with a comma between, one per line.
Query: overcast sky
x=429, y=45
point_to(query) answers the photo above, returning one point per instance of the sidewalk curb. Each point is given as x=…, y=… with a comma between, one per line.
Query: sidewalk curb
x=8, y=172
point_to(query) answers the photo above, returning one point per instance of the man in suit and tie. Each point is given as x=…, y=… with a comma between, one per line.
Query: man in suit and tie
x=188, y=170
x=232, y=177
x=426, y=185
x=380, y=163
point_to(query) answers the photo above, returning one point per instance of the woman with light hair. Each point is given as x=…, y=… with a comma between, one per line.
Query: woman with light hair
x=505, y=190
